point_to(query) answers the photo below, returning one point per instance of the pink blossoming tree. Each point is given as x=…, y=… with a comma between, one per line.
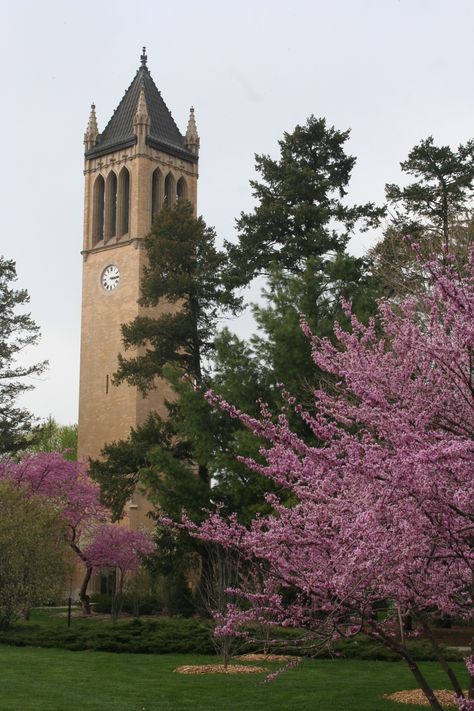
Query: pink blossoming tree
x=384, y=498
x=68, y=486
x=123, y=550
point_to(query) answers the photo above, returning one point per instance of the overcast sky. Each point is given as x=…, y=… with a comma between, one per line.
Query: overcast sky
x=394, y=71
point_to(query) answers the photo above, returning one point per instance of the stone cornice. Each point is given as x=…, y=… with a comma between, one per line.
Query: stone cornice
x=165, y=161
x=135, y=241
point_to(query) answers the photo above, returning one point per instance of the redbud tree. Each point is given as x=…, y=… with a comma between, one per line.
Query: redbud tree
x=67, y=485
x=123, y=550
x=377, y=512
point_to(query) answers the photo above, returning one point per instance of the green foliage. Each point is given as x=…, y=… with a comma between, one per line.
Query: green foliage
x=435, y=211
x=49, y=436
x=32, y=552
x=184, y=276
x=163, y=635
x=282, y=349
x=172, y=597
x=442, y=190
x=301, y=212
x=160, y=636
x=17, y=331
x=118, y=471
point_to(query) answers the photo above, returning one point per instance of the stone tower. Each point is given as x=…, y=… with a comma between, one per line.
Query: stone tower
x=139, y=163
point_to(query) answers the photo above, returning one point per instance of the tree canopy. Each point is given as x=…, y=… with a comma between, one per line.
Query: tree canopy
x=184, y=277
x=17, y=331
x=32, y=553
x=434, y=211
x=301, y=210
x=382, y=506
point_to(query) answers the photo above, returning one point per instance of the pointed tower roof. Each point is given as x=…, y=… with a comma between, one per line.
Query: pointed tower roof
x=119, y=132
x=92, y=130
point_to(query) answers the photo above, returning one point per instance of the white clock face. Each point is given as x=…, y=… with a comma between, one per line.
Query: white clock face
x=110, y=277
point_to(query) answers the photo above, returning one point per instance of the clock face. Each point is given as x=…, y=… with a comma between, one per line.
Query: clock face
x=110, y=277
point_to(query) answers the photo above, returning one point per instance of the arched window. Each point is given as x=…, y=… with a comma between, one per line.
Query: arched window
x=170, y=191
x=123, y=202
x=110, y=206
x=156, y=193
x=98, y=211
x=181, y=189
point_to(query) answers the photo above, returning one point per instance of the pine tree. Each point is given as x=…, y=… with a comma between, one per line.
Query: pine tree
x=17, y=331
x=184, y=272
x=301, y=212
x=435, y=211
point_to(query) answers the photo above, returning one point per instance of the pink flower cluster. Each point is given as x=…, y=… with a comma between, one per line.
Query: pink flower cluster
x=116, y=546
x=465, y=704
x=384, y=496
x=97, y=542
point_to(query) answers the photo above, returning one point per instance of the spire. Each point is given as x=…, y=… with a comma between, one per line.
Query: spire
x=192, y=138
x=142, y=115
x=92, y=132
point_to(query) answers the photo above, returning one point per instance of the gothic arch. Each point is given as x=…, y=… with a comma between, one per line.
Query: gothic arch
x=98, y=210
x=169, y=197
x=110, y=227
x=181, y=189
x=123, y=202
x=156, y=193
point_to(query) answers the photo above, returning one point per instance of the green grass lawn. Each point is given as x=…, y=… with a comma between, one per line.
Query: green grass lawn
x=58, y=680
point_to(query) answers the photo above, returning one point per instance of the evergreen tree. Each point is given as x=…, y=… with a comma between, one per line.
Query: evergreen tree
x=301, y=212
x=441, y=193
x=317, y=294
x=434, y=210
x=184, y=274
x=17, y=331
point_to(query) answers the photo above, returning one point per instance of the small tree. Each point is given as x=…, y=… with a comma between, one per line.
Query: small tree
x=122, y=550
x=33, y=559
x=66, y=485
x=17, y=331
x=223, y=572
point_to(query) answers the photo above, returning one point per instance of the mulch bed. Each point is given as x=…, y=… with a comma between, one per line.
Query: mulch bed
x=416, y=696
x=254, y=657
x=220, y=669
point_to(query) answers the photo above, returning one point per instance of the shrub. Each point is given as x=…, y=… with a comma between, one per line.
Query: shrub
x=179, y=635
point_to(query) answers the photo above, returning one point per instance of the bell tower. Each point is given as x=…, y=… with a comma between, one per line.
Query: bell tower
x=138, y=164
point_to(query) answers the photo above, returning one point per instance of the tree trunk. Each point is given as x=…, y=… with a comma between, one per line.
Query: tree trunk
x=83, y=596
x=118, y=595
x=471, y=677
x=442, y=660
x=376, y=633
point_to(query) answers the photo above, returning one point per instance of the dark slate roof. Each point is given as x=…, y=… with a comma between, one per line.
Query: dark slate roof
x=164, y=133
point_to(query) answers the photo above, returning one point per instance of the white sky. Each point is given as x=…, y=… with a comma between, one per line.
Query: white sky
x=394, y=71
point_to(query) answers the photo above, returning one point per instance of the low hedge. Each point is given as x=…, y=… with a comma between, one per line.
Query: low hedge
x=145, y=605
x=180, y=635
x=164, y=636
